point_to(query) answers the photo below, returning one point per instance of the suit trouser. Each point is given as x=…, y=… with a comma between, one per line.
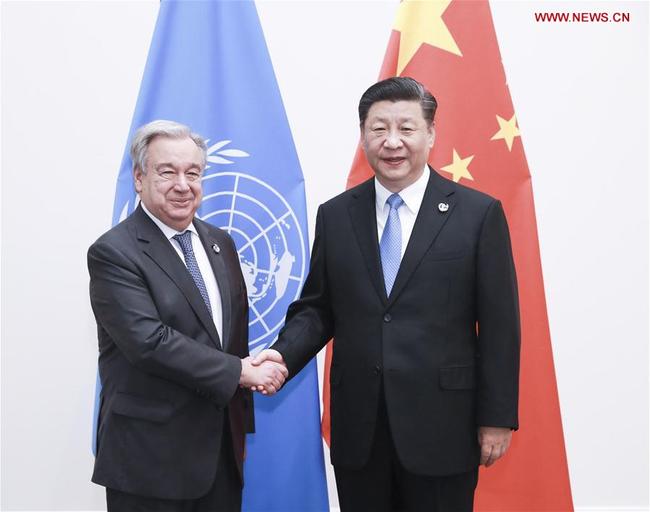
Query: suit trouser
x=225, y=495
x=383, y=485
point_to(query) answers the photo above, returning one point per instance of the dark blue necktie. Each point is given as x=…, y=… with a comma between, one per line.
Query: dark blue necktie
x=390, y=245
x=185, y=241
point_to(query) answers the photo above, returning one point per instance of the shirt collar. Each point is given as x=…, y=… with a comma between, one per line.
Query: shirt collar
x=411, y=195
x=167, y=231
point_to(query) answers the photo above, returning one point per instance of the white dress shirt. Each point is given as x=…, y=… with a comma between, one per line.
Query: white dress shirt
x=408, y=212
x=204, y=266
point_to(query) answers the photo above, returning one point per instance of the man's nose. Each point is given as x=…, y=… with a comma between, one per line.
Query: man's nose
x=393, y=140
x=181, y=183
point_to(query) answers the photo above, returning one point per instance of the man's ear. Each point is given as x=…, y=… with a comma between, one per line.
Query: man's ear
x=137, y=179
x=432, y=135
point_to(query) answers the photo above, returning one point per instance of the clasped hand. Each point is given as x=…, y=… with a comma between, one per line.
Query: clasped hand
x=265, y=373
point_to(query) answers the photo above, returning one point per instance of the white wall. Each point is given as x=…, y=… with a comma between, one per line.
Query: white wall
x=70, y=77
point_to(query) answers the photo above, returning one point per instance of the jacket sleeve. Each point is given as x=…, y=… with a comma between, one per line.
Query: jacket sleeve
x=309, y=324
x=498, y=324
x=124, y=308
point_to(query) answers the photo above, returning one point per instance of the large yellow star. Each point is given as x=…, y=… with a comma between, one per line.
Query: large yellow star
x=420, y=21
x=458, y=167
x=507, y=130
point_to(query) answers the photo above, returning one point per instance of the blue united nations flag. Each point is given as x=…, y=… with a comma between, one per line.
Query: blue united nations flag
x=270, y=240
x=209, y=68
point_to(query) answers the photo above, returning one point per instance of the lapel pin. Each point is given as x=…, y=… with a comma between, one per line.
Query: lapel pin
x=215, y=248
x=443, y=207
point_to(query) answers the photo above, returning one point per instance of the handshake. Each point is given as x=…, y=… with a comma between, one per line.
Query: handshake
x=264, y=373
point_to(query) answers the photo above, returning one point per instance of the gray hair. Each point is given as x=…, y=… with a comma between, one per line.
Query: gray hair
x=161, y=128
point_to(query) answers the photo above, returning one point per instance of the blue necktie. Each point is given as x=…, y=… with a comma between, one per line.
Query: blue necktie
x=185, y=241
x=390, y=245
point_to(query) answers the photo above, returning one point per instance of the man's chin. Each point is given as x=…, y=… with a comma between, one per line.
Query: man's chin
x=394, y=172
x=182, y=216
x=393, y=175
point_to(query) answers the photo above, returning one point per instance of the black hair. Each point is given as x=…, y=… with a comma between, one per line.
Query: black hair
x=401, y=88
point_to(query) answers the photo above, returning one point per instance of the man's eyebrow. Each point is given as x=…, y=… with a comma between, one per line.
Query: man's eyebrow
x=170, y=164
x=399, y=120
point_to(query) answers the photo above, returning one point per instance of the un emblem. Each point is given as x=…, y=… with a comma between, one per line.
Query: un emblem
x=270, y=244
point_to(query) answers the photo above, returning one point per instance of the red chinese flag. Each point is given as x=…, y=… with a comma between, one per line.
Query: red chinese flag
x=451, y=48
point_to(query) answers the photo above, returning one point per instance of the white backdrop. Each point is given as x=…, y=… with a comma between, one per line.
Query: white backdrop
x=70, y=77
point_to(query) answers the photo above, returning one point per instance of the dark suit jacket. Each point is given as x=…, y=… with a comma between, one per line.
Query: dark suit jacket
x=442, y=377
x=166, y=379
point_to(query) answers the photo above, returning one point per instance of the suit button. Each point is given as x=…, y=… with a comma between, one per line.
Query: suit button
x=387, y=317
x=376, y=370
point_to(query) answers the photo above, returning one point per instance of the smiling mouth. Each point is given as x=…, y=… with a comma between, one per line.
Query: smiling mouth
x=394, y=160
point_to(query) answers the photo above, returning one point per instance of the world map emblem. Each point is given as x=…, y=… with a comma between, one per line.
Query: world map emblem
x=269, y=241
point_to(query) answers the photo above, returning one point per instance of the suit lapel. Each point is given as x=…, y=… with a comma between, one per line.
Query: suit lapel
x=428, y=224
x=364, y=221
x=220, y=273
x=160, y=250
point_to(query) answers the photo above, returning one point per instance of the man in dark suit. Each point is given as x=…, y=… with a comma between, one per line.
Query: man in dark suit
x=413, y=276
x=172, y=320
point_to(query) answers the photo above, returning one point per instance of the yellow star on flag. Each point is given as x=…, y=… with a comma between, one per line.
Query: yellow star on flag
x=420, y=21
x=458, y=167
x=507, y=130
